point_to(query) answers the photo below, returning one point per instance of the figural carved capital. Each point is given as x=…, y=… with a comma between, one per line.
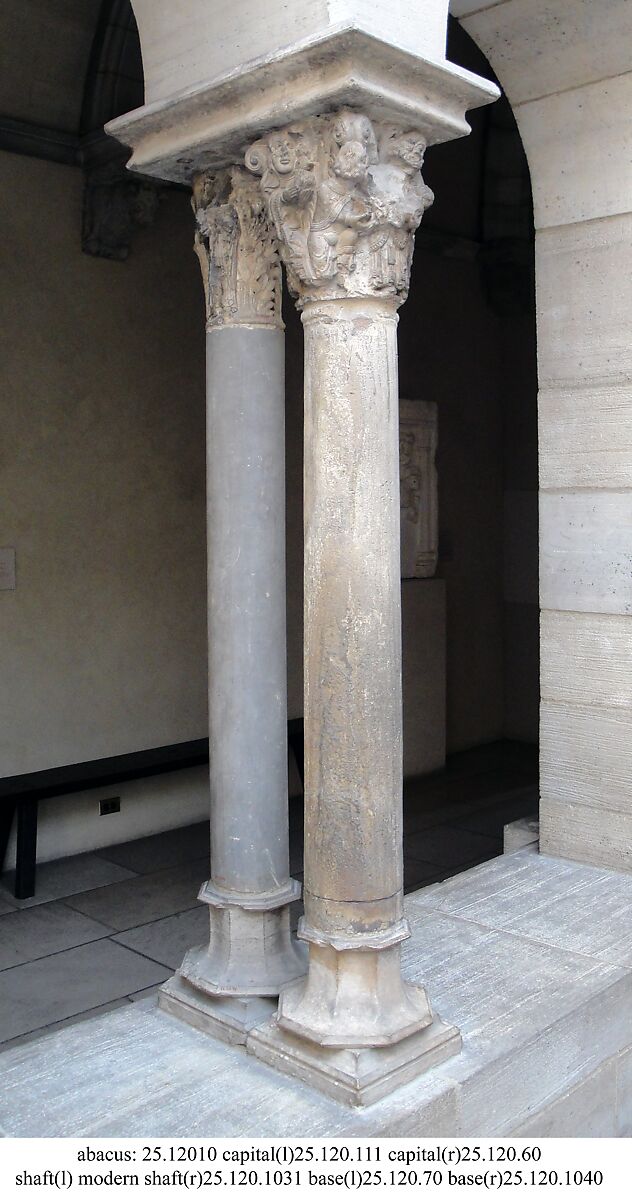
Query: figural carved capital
x=237, y=249
x=345, y=195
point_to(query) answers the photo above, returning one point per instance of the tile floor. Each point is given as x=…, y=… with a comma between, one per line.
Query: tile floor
x=106, y=928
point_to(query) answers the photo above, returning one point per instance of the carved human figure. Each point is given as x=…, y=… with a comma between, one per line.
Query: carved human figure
x=405, y=197
x=410, y=477
x=345, y=196
x=237, y=250
x=343, y=211
x=289, y=187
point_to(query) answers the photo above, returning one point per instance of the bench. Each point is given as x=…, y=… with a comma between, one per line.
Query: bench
x=20, y=794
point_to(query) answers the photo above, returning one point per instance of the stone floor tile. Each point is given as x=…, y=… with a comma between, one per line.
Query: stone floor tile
x=166, y=941
x=144, y=898
x=35, y=1034
x=160, y=851
x=37, y=994
x=593, y=918
x=447, y=846
x=5, y=907
x=418, y=874
x=64, y=877
x=492, y=819
x=43, y=930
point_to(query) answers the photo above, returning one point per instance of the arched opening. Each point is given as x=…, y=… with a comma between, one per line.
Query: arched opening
x=468, y=342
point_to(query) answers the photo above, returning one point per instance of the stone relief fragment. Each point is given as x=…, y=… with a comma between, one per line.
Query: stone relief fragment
x=237, y=249
x=115, y=204
x=418, y=435
x=345, y=196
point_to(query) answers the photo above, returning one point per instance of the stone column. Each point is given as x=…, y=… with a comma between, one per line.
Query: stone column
x=251, y=953
x=346, y=195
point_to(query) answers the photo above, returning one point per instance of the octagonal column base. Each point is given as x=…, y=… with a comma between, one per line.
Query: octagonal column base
x=360, y=1076
x=229, y=1018
x=354, y=998
x=251, y=954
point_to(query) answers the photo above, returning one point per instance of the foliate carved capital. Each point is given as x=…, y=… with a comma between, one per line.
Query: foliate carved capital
x=237, y=249
x=345, y=196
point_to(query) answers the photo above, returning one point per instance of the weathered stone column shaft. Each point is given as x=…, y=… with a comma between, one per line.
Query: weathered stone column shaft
x=353, y=721
x=346, y=195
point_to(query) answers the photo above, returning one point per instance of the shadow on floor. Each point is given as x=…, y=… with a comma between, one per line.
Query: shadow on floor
x=106, y=928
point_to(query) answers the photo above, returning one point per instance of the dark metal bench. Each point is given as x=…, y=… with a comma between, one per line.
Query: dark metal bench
x=20, y=795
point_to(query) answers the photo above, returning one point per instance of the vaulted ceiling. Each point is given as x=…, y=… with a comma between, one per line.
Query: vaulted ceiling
x=68, y=65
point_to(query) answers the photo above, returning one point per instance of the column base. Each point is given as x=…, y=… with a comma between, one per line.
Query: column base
x=354, y=998
x=251, y=954
x=229, y=1018
x=356, y=1077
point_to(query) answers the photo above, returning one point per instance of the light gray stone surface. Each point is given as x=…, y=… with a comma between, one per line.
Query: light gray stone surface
x=591, y=1107
x=584, y=299
x=585, y=436
x=45, y=929
x=587, y=659
x=576, y=135
x=65, y=877
x=539, y=48
x=586, y=551
x=584, y=755
x=38, y=993
x=544, y=1022
x=519, y=834
x=98, y=1011
x=144, y=898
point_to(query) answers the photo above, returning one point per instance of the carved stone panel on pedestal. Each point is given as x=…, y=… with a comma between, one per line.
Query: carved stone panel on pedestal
x=418, y=432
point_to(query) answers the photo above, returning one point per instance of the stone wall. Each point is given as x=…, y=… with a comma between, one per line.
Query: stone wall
x=567, y=77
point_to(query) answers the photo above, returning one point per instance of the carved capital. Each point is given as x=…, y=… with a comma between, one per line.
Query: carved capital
x=345, y=196
x=237, y=249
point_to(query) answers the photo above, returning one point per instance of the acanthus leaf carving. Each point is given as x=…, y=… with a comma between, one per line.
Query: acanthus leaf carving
x=237, y=249
x=345, y=196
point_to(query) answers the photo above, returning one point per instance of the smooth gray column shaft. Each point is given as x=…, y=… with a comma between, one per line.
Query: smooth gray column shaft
x=246, y=585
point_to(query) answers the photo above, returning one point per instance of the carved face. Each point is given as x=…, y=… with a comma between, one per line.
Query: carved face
x=353, y=127
x=351, y=161
x=282, y=154
x=411, y=148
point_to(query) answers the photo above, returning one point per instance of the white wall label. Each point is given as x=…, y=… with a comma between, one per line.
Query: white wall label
x=7, y=569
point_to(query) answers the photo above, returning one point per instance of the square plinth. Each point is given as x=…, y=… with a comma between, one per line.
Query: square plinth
x=354, y=1077
x=229, y=1018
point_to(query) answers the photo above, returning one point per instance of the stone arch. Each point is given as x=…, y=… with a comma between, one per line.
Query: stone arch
x=566, y=73
x=114, y=81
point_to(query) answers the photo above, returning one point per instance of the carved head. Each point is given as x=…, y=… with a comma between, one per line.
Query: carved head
x=355, y=127
x=282, y=153
x=351, y=161
x=407, y=149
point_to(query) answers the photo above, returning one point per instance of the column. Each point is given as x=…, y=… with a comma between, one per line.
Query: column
x=251, y=953
x=346, y=195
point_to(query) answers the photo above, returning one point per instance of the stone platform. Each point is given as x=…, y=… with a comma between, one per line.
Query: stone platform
x=530, y=956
